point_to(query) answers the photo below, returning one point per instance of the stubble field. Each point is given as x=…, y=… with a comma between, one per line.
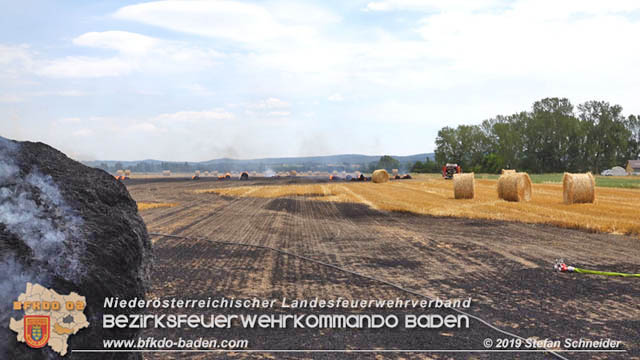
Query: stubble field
x=616, y=209
x=506, y=267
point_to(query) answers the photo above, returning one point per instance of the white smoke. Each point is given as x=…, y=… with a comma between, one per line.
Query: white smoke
x=13, y=282
x=33, y=210
x=269, y=173
x=43, y=223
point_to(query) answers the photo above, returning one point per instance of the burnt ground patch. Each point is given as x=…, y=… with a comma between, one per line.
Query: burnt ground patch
x=505, y=267
x=288, y=275
x=395, y=263
x=559, y=305
x=347, y=210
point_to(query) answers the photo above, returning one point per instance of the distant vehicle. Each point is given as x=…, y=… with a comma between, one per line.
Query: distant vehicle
x=449, y=169
x=615, y=171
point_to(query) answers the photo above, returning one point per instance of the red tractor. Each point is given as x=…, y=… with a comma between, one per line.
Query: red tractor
x=449, y=169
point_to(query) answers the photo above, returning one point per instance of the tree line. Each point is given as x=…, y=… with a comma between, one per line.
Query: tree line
x=552, y=137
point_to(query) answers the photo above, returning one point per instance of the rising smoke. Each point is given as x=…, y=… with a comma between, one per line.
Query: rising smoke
x=268, y=172
x=33, y=210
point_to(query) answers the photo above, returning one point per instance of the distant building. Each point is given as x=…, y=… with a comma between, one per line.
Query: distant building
x=633, y=167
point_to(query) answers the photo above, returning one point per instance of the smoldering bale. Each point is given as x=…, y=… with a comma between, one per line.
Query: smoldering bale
x=70, y=228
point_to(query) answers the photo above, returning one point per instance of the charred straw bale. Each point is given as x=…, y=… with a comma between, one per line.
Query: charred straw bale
x=380, y=176
x=464, y=186
x=70, y=228
x=514, y=187
x=578, y=188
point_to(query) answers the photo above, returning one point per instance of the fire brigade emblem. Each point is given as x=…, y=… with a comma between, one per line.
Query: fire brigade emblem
x=36, y=330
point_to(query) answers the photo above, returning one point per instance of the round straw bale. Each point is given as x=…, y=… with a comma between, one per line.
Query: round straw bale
x=293, y=173
x=394, y=172
x=578, y=188
x=508, y=171
x=514, y=187
x=464, y=186
x=380, y=176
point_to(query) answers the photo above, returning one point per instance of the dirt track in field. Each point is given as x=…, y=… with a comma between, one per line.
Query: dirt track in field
x=505, y=267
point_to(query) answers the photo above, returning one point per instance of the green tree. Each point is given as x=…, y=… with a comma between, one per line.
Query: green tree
x=633, y=125
x=428, y=166
x=506, y=141
x=606, y=132
x=492, y=164
x=549, y=138
x=556, y=126
x=388, y=163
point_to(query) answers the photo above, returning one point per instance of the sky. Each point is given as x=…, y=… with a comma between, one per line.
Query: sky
x=193, y=80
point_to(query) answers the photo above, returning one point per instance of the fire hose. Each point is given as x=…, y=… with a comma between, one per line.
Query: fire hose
x=560, y=266
x=409, y=291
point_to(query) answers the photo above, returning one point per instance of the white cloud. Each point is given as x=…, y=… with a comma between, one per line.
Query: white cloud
x=15, y=60
x=144, y=127
x=199, y=90
x=82, y=132
x=270, y=103
x=10, y=98
x=432, y=63
x=195, y=116
x=122, y=41
x=536, y=39
x=549, y=8
x=134, y=52
x=232, y=20
x=70, y=120
x=431, y=5
x=279, y=113
x=68, y=93
x=83, y=66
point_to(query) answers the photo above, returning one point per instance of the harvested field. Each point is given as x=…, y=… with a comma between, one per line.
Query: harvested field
x=615, y=211
x=506, y=267
x=147, y=205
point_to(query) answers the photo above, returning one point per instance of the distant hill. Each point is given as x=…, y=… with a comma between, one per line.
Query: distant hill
x=346, y=162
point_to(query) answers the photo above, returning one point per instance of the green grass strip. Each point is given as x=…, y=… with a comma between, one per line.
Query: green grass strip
x=607, y=273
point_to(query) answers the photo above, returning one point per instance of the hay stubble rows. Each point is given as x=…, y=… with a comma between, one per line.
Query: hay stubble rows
x=615, y=211
x=504, y=266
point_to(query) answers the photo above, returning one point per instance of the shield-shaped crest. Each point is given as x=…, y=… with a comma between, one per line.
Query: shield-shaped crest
x=36, y=330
